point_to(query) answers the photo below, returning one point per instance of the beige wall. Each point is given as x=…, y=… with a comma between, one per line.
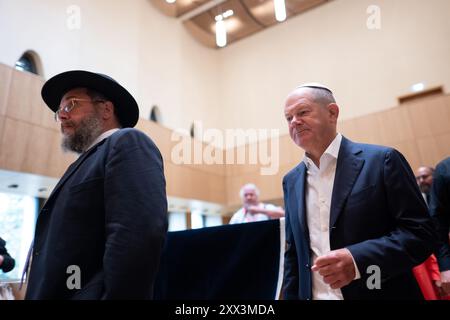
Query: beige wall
x=367, y=69
x=150, y=54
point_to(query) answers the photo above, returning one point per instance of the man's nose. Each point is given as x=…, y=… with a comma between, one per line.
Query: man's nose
x=296, y=120
x=63, y=115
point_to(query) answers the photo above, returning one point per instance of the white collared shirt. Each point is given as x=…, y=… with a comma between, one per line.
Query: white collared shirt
x=242, y=215
x=318, y=192
x=103, y=136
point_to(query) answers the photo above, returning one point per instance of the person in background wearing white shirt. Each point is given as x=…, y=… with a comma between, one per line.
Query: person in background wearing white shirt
x=356, y=223
x=254, y=210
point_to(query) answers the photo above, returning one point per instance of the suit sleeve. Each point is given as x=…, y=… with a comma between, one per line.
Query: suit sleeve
x=440, y=211
x=136, y=217
x=290, y=284
x=412, y=238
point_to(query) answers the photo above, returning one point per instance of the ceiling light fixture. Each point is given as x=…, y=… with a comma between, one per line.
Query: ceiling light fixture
x=221, y=32
x=280, y=10
x=227, y=13
x=418, y=87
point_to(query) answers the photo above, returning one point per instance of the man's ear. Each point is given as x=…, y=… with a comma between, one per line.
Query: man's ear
x=108, y=110
x=333, y=111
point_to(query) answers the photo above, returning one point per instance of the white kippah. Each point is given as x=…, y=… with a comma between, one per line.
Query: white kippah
x=315, y=85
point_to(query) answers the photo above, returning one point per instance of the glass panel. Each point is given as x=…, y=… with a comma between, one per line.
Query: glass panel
x=177, y=221
x=17, y=222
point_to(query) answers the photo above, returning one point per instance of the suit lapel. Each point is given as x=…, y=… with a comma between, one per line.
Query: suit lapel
x=69, y=172
x=348, y=168
x=298, y=202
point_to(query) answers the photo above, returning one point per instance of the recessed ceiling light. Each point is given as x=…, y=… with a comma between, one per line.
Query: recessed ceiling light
x=418, y=87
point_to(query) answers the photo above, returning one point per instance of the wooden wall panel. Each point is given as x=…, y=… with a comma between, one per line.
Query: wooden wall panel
x=24, y=99
x=58, y=160
x=368, y=130
x=14, y=144
x=5, y=81
x=409, y=150
x=394, y=125
x=185, y=182
x=166, y=142
x=38, y=144
x=430, y=117
x=2, y=126
x=348, y=128
x=433, y=149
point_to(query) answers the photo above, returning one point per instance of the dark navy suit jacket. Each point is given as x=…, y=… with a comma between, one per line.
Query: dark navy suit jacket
x=107, y=216
x=377, y=212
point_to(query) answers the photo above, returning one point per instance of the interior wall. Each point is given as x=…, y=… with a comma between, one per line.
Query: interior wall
x=152, y=55
x=367, y=69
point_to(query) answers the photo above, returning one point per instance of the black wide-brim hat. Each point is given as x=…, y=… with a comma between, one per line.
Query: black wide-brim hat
x=125, y=105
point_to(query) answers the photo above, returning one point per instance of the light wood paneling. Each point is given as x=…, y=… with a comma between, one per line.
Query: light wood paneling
x=393, y=125
x=5, y=76
x=58, y=161
x=368, y=130
x=433, y=149
x=38, y=144
x=166, y=141
x=409, y=150
x=185, y=182
x=2, y=126
x=14, y=144
x=430, y=117
x=24, y=99
x=348, y=128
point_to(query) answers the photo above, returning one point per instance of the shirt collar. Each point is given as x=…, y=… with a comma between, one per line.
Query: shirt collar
x=103, y=136
x=331, y=152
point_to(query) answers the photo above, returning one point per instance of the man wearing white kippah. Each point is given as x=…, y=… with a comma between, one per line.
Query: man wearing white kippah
x=356, y=223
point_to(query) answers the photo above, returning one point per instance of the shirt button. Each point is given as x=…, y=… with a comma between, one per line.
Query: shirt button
x=307, y=265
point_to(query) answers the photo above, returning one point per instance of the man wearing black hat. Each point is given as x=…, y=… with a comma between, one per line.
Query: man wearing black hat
x=101, y=231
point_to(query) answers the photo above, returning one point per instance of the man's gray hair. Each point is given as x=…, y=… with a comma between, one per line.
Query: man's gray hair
x=248, y=186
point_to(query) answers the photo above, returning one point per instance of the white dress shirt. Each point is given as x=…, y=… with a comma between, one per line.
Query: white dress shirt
x=242, y=216
x=103, y=136
x=319, y=190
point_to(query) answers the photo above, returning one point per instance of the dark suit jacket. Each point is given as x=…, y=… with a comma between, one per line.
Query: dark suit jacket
x=108, y=216
x=8, y=262
x=377, y=212
x=440, y=211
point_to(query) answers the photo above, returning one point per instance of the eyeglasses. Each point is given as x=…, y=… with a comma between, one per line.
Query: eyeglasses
x=73, y=102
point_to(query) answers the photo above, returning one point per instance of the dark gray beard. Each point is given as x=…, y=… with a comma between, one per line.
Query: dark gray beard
x=89, y=129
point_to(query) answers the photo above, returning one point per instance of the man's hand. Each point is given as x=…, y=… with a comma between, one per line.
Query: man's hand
x=336, y=268
x=1, y=259
x=253, y=209
x=445, y=282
